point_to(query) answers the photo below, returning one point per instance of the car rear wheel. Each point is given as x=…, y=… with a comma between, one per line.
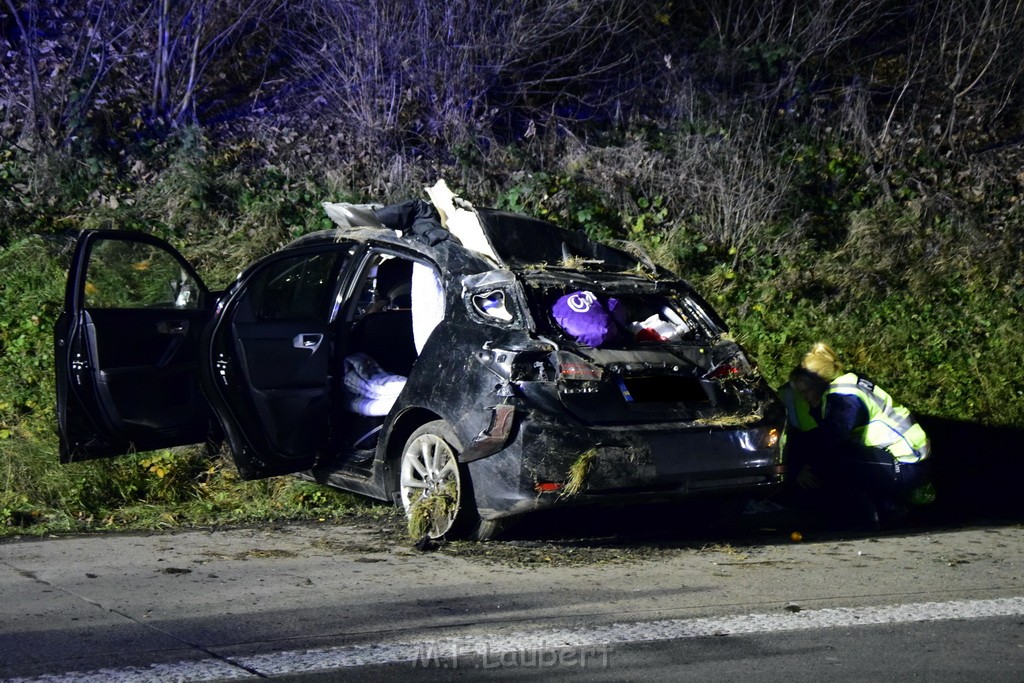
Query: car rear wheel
x=435, y=488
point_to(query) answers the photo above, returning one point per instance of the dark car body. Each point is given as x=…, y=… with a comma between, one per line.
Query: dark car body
x=495, y=410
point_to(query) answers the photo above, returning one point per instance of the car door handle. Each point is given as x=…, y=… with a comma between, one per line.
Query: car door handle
x=308, y=341
x=172, y=326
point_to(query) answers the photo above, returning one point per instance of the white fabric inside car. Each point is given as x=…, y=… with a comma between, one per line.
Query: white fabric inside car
x=427, y=303
x=369, y=390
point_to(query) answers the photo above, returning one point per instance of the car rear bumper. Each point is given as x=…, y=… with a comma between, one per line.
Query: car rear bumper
x=550, y=464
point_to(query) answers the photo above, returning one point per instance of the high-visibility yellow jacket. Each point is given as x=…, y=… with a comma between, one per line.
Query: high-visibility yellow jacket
x=890, y=426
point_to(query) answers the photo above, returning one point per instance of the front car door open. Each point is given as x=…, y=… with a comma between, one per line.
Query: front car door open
x=127, y=348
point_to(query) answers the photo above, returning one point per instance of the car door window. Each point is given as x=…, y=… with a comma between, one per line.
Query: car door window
x=128, y=274
x=128, y=348
x=294, y=289
x=386, y=311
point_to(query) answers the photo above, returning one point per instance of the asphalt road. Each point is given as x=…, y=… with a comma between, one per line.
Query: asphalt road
x=344, y=601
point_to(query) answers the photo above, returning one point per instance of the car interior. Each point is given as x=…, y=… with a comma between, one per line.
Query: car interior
x=633, y=320
x=382, y=326
x=380, y=350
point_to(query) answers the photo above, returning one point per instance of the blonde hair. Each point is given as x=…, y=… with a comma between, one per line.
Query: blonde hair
x=822, y=361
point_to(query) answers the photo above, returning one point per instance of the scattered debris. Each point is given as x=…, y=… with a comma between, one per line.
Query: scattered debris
x=728, y=420
x=430, y=514
x=426, y=543
x=259, y=552
x=578, y=472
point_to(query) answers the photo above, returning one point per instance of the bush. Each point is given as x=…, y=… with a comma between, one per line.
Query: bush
x=31, y=295
x=916, y=307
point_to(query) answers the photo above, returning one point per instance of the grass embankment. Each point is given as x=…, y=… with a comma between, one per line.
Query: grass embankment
x=941, y=336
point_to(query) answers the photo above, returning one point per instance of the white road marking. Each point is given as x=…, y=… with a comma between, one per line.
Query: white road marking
x=447, y=652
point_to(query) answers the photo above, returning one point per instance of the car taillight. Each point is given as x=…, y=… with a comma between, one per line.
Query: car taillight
x=571, y=367
x=724, y=371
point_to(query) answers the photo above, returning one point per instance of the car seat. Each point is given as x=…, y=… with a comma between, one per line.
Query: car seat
x=387, y=337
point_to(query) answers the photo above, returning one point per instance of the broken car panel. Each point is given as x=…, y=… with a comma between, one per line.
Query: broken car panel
x=471, y=365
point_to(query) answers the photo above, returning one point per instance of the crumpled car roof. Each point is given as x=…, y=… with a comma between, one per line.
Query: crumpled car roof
x=502, y=238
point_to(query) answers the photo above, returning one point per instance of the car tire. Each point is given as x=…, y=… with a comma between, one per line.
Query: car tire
x=435, y=489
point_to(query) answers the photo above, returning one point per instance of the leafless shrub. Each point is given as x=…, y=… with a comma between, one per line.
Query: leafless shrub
x=979, y=46
x=59, y=65
x=773, y=49
x=123, y=63
x=410, y=73
x=193, y=36
x=949, y=80
x=729, y=185
x=737, y=185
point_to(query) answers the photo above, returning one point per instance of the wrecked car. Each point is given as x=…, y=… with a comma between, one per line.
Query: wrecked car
x=468, y=364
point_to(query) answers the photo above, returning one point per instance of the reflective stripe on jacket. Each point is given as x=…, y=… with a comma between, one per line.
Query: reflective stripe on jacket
x=889, y=426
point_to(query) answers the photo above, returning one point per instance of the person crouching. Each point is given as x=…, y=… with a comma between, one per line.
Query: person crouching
x=868, y=455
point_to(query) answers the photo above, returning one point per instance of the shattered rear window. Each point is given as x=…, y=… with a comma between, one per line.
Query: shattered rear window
x=520, y=241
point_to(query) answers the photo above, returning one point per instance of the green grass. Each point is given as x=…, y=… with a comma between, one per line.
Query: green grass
x=142, y=491
x=929, y=305
x=942, y=338
x=944, y=341
x=147, y=491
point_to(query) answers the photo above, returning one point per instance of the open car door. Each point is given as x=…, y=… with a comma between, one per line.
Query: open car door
x=127, y=348
x=271, y=350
